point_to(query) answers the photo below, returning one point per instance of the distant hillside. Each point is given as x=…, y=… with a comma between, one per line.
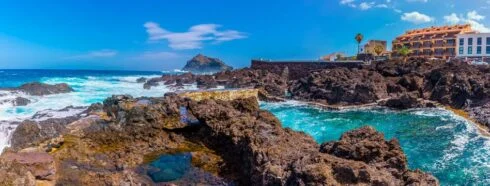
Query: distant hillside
x=204, y=64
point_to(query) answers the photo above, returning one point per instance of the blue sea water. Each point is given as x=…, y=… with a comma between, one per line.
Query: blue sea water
x=434, y=140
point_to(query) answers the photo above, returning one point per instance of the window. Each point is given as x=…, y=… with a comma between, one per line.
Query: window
x=450, y=42
x=470, y=41
x=478, y=41
x=470, y=50
x=461, y=49
x=461, y=41
x=488, y=42
x=488, y=49
x=451, y=51
x=478, y=50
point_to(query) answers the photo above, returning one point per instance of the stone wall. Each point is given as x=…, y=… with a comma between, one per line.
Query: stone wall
x=298, y=69
x=224, y=95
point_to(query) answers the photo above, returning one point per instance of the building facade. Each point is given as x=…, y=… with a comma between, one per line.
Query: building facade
x=432, y=42
x=369, y=47
x=474, y=45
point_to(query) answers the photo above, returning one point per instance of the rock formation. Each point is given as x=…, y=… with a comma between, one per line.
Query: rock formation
x=417, y=83
x=41, y=89
x=204, y=64
x=268, y=83
x=228, y=142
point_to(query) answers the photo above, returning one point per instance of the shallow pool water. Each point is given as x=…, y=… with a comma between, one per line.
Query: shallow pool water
x=434, y=140
x=170, y=167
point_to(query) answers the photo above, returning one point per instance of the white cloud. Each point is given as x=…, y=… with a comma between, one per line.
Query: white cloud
x=193, y=38
x=416, y=17
x=473, y=15
x=346, y=1
x=475, y=25
x=366, y=6
x=452, y=19
x=472, y=18
x=423, y=1
x=105, y=53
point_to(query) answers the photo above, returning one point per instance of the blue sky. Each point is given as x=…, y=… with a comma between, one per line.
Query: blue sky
x=163, y=35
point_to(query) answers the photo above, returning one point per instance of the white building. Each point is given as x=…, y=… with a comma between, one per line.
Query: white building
x=473, y=45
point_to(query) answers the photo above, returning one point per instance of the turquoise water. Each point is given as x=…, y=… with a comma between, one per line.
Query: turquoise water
x=177, y=169
x=434, y=140
x=170, y=167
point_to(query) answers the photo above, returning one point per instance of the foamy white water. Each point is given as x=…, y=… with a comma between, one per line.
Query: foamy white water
x=88, y=90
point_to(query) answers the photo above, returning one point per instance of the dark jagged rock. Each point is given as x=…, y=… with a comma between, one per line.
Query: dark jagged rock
x=152, y=82
x=141, y=80
x=271, y=155
x=271, y=84
x=406, y=101
x=400, y=85
x=204, y=64
x=341, y=86
x=367, y=145
x=41, y=89
x=481, y=114
x=20, y=101
x=32, y=133
x=233, y=140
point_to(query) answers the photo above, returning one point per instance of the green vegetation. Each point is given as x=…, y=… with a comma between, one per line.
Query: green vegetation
x=404, y=51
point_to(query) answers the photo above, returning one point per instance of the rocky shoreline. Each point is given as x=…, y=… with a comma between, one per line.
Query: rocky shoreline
x=395, y=84
x=233, y=141
x=228, y=142
x=34, y=89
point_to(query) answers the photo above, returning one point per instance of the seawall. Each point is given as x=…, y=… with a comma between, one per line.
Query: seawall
x=224, y=95
x=300, y=69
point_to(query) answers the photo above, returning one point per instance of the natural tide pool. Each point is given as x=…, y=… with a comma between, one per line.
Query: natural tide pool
x=434, y=140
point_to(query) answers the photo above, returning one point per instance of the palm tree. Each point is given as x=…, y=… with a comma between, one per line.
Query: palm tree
x=404, y=51
x=359, y=37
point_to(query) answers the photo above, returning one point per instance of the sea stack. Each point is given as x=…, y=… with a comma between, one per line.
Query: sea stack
x=205, y=64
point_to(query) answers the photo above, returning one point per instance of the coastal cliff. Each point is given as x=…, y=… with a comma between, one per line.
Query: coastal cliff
x=210, y=142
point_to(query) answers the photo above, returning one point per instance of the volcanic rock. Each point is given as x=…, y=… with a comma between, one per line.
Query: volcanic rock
x=141, y=80
x=40, y=89
x=340, y=86
x=234, y=140
x=204, y=64
x=20, y=101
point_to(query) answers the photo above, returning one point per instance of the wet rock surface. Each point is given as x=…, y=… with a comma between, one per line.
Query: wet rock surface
x=20, y=101
x=233, y=142
x=41, y=89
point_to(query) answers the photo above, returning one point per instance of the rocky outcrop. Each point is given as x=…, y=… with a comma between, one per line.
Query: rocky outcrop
x=233, y=140
x=416, y=83
x=20, y=101
x=269, y=84
x=141, y=80
x=204, y=64
x=41, y=89
x=369, y=146
x=341, y=86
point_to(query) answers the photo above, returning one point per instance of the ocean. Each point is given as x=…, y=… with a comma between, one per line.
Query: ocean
x=434, y=140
